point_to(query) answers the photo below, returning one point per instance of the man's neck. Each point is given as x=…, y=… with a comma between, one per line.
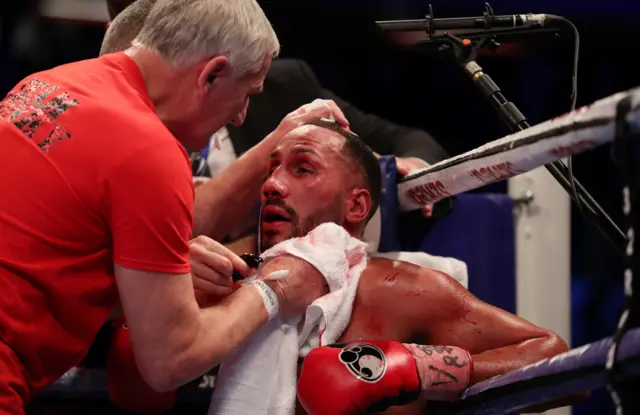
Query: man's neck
x=355, y=230
x=159, y=77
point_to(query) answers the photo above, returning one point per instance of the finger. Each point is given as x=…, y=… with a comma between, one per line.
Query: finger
x=237, y=263
x=209, y=288
x=376, y=154
x=427, y=211
x=220, y=258
x=337, y=113
x=321, y=109
x=402, y=170
x=203, y=272
x=313, y=112
x=215, y=262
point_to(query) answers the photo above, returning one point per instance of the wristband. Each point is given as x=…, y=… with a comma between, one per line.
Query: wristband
x=268, y=296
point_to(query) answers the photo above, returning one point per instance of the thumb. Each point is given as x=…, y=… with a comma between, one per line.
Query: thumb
x=402, y=170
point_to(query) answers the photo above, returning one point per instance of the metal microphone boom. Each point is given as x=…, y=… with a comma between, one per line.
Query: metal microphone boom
x=465, y=51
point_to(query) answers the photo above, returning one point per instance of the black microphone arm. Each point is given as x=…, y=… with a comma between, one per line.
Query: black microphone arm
x=486, y=32
x=487, y=21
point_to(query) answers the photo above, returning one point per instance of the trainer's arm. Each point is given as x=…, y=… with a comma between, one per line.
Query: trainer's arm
x=175, y=341
x=150, y=200
x=498, y=340
x=225, y=199
x=382, y=135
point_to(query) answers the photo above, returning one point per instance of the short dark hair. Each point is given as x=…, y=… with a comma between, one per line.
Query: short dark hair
x=125, y=26
x=364, y=159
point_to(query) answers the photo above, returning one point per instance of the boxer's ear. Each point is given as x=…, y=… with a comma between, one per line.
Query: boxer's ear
x=212, y=70
x=358, y=206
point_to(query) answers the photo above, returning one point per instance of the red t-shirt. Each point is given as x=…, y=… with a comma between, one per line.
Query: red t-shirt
x=90, y=176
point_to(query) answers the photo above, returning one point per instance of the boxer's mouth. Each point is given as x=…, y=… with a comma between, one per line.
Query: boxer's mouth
x=275, y=218
x=273, y=221
x=275, y=226
x=274, y=214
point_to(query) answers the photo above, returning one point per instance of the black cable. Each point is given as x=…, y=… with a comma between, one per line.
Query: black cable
x=574, y=100
x=586, y=205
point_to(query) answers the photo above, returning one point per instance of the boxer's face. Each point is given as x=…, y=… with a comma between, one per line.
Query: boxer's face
x=308, y=184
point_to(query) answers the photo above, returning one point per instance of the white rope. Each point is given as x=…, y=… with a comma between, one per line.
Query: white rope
x=552, y=140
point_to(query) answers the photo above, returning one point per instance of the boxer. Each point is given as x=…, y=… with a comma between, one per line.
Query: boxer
x=320, y=173
x=416, y=335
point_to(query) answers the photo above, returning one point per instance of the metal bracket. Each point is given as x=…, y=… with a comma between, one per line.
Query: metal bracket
x=523, y=202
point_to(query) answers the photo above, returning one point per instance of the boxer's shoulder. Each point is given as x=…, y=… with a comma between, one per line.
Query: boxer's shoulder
x=407, y=289
x=392, y=276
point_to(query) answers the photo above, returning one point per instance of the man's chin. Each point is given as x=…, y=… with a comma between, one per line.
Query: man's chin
x=269, y=240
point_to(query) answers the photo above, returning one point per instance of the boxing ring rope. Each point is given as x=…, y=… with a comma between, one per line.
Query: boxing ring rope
x=573, y=372
x=575, y=132
x=570, y=373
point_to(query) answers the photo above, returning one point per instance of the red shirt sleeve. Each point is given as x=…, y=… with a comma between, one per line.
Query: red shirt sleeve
x=150, y=197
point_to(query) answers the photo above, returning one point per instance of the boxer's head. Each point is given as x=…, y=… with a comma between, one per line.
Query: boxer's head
x=201, y=59
x=318, y=173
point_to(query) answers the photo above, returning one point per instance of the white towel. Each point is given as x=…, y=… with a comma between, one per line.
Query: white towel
x=450, y=266
x=261, y=375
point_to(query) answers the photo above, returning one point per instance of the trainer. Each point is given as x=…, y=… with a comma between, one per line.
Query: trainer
x=97, y=199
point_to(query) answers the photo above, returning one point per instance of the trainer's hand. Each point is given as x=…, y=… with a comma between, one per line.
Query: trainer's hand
x=319, y=108
x=302, y=285
x=406, y=165
x=212, y=266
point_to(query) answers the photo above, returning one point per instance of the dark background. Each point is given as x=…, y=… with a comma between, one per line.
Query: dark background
x=338, y=39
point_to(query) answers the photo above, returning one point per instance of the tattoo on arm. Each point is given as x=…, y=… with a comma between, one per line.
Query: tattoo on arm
x=447, y=358
x=453, y=361
x=431, y=350
x=445, y=373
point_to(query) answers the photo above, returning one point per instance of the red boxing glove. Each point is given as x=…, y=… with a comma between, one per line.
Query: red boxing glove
x=127, y=389
x=351, y=378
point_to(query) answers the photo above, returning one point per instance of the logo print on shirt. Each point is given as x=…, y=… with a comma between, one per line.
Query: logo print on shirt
x=30, y=107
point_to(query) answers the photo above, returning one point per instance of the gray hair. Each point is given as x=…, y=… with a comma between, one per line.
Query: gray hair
x=185, y=32
x=126, y=26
